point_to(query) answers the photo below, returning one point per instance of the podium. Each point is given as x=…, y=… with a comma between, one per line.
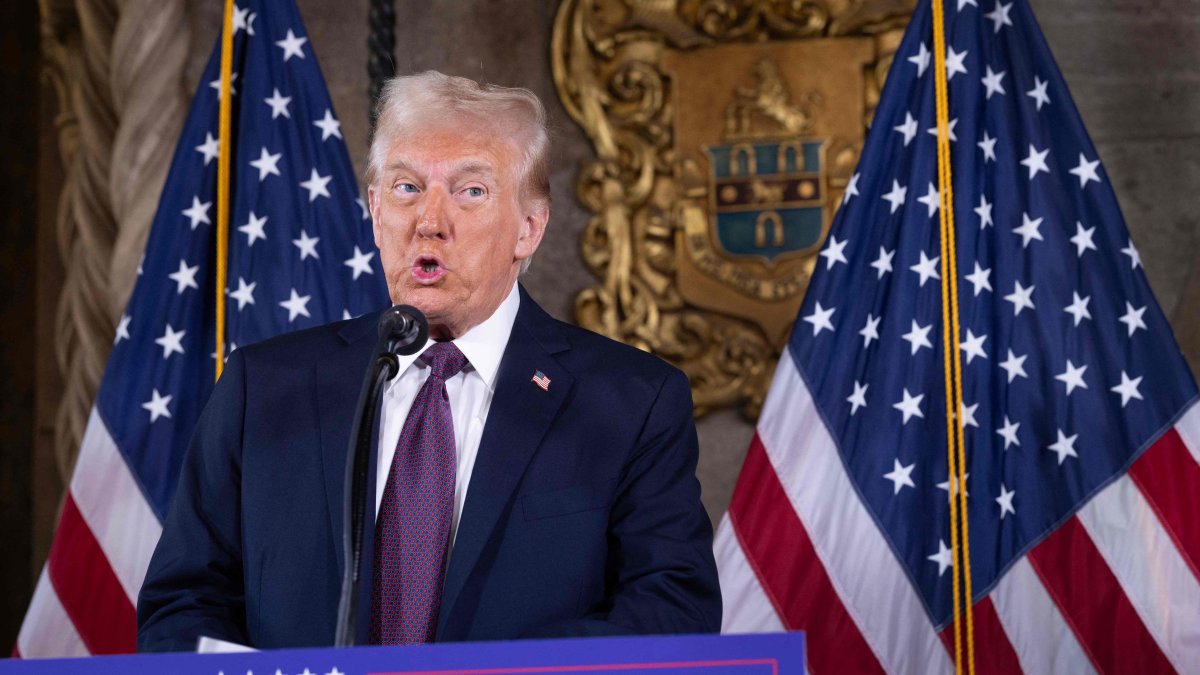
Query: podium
x=767, y=654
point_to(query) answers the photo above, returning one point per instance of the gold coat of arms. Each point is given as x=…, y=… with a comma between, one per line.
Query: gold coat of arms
x=725, y=132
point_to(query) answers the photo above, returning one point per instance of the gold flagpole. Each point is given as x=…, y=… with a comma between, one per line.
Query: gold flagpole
x=225, y=131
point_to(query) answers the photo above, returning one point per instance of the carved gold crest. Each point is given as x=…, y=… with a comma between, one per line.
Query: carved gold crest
x=725, y=133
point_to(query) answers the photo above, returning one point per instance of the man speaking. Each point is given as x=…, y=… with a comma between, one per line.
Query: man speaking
x=532, y=479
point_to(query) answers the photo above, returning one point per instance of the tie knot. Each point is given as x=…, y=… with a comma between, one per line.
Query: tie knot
x=445, y=359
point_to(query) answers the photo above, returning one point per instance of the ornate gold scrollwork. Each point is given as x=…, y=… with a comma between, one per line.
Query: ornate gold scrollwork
x=667, y=285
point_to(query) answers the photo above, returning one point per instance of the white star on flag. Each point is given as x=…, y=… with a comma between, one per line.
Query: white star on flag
x=1132, y=318
x=1086, y=171
x=943, y=557
x=933, y=131
x=896, y=196
x=267, y=164
x=198, y=212
x=918, y=336
x=253, y=229
x=833, y=252
x=980, y=279
x=883, y=264
x=1005, y=500
x=292, y=45
x=360, y=263
x=1038, y=93
x=244, y=294
x=984, y=211
x=1009, y=432
x=921, y=60
x=1083, y=239
x=279, y=104
x=820, y=319
x=858, y=399
x=307, y=245
x=210, y=148
x=1072, y=377
x=171, y=341
x=296, y=305
x=988, y=145
x=1020, y=298
x=870, y=331
x=329, y=126
x=972, y=346
x=157, y=405
x=954, y=63
x=1036, y=161
x=1014, y=365
x=999, y=16
x=851, y=189
x=909, y=128
x=122, y=329
x=1064, y=447
x=1128, y=389
x=992, y=82
x=316, y=185
x=931, y=199
x=184, y=277
x=910, y=406
x=927, y=268
x=1029, y=230
x=1078, y=308
x=900, y=476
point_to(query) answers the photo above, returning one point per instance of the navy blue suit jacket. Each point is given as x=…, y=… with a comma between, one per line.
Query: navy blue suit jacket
x=583, y=516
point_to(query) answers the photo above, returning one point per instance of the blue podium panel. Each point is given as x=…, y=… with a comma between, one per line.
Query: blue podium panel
x=772, y=654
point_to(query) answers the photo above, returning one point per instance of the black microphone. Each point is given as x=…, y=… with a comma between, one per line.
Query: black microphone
x=404, y=329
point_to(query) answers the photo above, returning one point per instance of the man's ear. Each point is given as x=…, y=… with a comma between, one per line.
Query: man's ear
x=373, y=207
x=533, y=228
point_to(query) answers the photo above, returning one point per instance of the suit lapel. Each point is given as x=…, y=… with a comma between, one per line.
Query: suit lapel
x=520, y=414
x=339, y=378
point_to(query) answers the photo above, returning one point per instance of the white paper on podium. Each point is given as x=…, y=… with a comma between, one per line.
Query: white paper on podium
x=209, y=645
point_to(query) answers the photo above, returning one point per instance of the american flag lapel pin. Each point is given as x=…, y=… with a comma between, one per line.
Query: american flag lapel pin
x=541, y=380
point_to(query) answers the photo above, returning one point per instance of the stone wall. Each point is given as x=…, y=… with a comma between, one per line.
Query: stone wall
x=1133, y=67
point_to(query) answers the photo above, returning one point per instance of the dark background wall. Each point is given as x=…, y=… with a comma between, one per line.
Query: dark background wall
x=1133, y=67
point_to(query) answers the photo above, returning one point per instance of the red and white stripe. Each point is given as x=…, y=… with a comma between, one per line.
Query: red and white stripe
x=1114, y=589
x=85, y=599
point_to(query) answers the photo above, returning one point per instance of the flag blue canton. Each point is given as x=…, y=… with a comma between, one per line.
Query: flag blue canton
x=301, y=250
x=1070, y=369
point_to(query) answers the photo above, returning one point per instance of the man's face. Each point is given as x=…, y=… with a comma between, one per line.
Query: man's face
x=450, y=223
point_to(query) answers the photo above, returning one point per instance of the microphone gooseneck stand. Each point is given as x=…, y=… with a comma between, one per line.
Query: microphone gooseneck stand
x=402, y=330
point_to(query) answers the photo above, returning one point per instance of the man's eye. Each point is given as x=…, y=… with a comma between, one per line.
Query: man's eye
x=407, y=188
x=475, y=192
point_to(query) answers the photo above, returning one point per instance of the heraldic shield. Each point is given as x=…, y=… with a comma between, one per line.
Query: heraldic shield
x=766, y=197
x=725, y=133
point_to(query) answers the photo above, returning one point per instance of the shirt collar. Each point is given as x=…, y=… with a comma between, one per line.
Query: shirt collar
x=484, y=344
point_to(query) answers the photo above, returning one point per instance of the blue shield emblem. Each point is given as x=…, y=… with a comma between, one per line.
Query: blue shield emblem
x=767, y=197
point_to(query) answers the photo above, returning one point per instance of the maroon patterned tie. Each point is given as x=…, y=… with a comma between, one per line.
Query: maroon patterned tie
x=413, y=525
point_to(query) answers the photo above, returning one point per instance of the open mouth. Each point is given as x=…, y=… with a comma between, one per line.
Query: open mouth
x=428, y=269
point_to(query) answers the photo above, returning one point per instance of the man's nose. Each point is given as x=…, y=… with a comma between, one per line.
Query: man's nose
x=433, y=219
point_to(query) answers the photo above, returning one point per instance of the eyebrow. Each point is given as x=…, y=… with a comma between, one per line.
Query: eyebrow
x=468, y=167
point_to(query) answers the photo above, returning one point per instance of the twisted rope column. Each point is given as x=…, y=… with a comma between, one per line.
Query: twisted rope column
x=381, y=48
x=117, y=66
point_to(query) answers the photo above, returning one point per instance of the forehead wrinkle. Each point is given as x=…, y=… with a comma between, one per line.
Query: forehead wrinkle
x=468, y=166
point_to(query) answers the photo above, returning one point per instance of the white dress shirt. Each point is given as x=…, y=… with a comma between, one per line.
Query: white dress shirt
x=470, y=393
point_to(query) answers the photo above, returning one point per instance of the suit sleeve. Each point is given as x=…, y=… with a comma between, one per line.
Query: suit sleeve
x=660, y=563
x=194, y=585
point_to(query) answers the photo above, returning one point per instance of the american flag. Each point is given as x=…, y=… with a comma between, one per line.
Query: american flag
x=300, y=254
x=1081, y=429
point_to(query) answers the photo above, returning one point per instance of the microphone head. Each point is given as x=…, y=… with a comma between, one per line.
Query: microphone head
x=404, y=329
